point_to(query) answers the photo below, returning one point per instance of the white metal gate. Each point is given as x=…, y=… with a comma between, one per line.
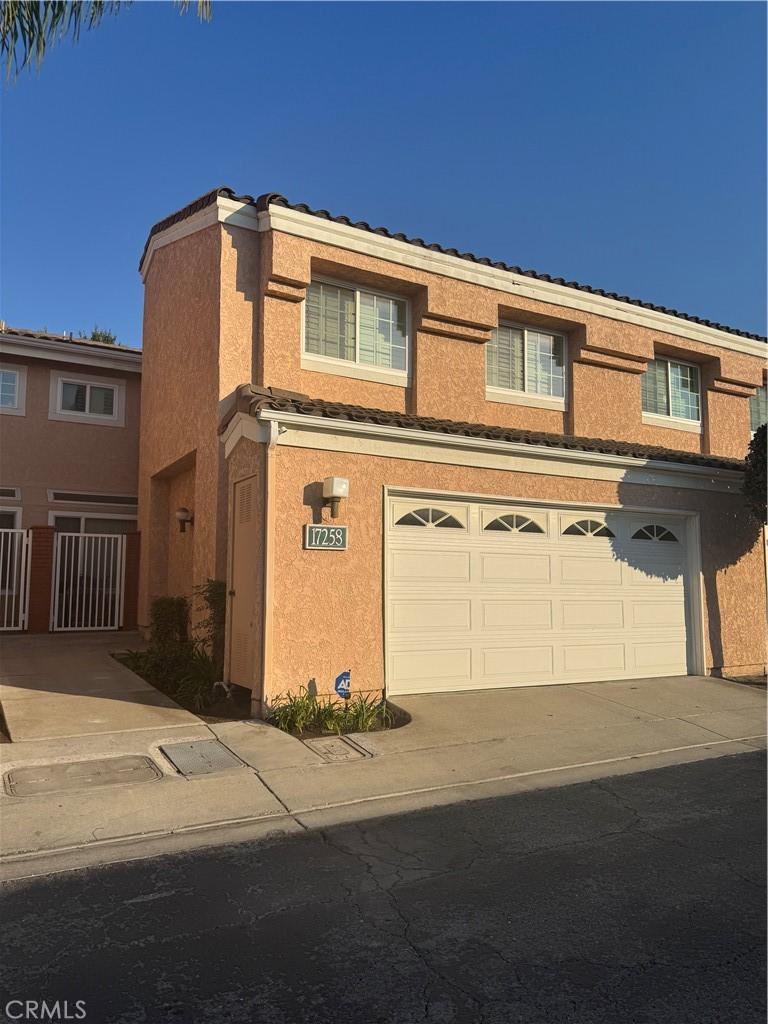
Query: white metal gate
x=14, y=579
x=88, y=581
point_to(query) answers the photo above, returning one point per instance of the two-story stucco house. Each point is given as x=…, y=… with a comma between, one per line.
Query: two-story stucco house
x=543, y=479
x=69, y=433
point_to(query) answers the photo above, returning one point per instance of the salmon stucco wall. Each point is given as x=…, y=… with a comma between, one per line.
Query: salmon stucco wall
x=199, y=312
x=451, y=321
x=327, y=610
x=38, y=453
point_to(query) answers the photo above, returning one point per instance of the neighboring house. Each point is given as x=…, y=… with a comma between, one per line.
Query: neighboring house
x=543, y=478
x=69, y=433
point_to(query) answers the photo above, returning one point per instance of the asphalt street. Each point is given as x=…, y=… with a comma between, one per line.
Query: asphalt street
x=631, y=900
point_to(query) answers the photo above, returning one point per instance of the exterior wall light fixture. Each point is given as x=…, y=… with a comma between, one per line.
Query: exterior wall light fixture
x=184, y=516
x=334, y=489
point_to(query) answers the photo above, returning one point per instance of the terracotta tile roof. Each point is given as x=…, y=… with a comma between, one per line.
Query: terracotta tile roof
x=252, y=399
x=27, y=335
x=276, y=199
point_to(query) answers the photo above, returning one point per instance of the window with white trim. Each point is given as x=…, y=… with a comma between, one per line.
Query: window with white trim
x=436, y=517
x=758, y=408
x=356, y=325
x=670, y=388
x=527, y=361
x=85, y=399
x=9, y=389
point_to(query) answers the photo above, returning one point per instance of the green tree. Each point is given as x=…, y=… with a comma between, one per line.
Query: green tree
x=100, y=334
x=754, y=486
x=29, y=28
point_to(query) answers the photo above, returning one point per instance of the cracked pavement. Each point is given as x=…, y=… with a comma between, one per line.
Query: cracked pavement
x=635, y=899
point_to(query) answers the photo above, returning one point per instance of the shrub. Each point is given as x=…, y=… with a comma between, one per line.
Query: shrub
x=168, y=621
x=210, y=630
x=196, y=684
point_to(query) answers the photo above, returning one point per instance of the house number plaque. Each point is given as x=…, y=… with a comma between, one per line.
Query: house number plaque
x=319, y=537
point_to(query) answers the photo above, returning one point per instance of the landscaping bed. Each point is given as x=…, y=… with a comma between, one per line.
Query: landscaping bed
x=307, y=715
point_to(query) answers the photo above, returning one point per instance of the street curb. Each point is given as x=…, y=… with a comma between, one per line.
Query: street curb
x=51, y=860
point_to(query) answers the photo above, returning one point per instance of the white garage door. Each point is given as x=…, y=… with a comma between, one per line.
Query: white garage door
x=483, y=595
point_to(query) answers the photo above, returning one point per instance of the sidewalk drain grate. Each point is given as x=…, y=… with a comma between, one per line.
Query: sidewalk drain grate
x=336, y=748
x=201, y=757
x=33, y=780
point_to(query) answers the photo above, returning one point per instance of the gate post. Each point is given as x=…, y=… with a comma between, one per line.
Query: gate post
x=131, y=592
x=40, y=578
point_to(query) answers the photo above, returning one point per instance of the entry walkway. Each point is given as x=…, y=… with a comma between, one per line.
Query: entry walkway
x=66, y=685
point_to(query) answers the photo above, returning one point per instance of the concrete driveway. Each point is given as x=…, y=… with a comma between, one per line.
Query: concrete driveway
x=66, y=685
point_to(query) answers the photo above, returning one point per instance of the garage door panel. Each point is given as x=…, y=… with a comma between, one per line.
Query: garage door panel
x=419, y=671
x=515, y=614
x=429, y=614
x=438, y=565
x=585, y=570
x=586, y=658
x=598, y=614
x=655, y=574
x=647, y=614
x=514, y=568
x=516, y=662
x=669, y=657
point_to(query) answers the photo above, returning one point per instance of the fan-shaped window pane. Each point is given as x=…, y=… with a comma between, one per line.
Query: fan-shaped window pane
x=450, y=522
x=587, y=528
x=514, y=523
x=409, y=519
x=654, y=532
x=430, y=517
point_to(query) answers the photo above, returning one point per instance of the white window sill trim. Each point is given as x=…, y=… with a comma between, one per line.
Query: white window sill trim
x=6, y=410
x=357, y=371
x=672, y=423
x=83, y=417
x=518, y=398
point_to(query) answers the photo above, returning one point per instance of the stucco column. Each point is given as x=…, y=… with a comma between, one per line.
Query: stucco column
x=40, y=579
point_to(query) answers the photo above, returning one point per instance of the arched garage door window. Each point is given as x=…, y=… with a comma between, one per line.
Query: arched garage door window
x=436, y=517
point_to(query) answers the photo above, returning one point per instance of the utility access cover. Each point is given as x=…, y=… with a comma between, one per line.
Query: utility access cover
x=32, y=780
x=336, y=748
x=201, y=757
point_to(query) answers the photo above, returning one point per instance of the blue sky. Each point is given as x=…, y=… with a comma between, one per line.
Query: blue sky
x=622, y=145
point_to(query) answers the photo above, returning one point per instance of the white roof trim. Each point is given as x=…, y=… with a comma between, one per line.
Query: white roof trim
x=66, y=352
x=479, y=452
x=306, y=225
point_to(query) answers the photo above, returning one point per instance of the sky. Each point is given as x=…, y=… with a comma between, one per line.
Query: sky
x=618, y=144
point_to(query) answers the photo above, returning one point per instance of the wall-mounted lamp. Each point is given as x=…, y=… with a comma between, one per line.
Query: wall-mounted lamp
x=184, y=516
x=334, y=489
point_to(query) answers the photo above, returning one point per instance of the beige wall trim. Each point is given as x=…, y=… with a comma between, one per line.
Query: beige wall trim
x=64, y=352
x=305, y=225
x=424, y=446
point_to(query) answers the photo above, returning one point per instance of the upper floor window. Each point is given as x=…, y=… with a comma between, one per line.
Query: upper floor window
x=87, y=399
x=12, y=389
x=672, y=389
x=758, y=408
x=526, y=361
x=356, y=325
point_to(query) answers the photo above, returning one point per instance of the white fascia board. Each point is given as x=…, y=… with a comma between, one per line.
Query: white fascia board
x=66, y=352
x=342, y=236
x=487, y=453
x=223, y=211
x=242, y=425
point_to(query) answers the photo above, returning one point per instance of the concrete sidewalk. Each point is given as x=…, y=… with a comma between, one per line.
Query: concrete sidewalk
x=457, y=747
x=68, y=685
